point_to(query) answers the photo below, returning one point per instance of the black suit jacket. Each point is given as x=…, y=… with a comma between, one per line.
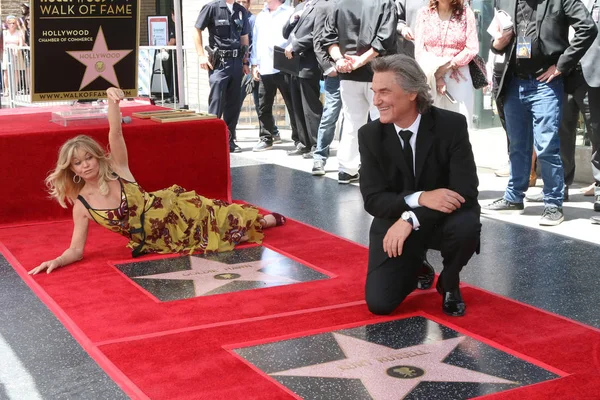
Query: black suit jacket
x=444, y=159
x=553, y=18
x=302, y=40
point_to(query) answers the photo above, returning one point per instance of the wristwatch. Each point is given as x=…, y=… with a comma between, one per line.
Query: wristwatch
x=406, y=216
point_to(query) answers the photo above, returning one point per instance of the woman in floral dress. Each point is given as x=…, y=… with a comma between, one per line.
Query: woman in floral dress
x=102, y=189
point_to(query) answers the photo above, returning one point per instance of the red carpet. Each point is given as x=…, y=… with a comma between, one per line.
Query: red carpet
x=179, y=349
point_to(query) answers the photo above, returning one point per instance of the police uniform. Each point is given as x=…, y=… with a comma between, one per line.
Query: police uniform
x=225, y=29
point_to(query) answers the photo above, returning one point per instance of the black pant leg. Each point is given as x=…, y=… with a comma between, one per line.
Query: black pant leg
x=459, y=240
x=232, y=105
x=390, y=280
x=298, y=112
x=284, y=82
x=312, y=108
x=568, y=131
x=594, y=135
x=267, y=89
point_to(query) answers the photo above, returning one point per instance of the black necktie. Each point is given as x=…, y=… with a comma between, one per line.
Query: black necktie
x=407, y=150
x=408, y=156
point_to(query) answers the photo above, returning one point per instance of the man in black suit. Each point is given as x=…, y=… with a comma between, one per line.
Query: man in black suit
x=305, y=87
x=419, y=181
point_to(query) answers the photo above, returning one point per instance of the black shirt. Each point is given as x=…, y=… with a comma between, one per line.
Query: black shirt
x=526, y=26
x=224, y=28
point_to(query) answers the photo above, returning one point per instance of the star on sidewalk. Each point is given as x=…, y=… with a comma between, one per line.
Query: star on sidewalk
x=209, y=275
x=99, y=62
x=391, y=374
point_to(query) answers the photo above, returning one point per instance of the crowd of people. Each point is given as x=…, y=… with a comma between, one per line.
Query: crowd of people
x=336, y=40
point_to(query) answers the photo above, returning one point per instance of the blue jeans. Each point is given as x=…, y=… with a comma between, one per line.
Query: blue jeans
x=331, y=113
x=533, y=112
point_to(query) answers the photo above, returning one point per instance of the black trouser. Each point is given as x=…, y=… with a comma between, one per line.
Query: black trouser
x=249, y=81
x=224, y=97
x=587, y=101
x=390, y=280
x=267, y=90
x=308, y=109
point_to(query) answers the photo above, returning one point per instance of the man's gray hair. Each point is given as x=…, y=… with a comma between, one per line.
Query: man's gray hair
x=409, y=76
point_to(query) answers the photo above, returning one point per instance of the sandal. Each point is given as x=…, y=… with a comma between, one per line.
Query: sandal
x=279, y=219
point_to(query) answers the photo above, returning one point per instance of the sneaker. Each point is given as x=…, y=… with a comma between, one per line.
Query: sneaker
x=597, y=202
x=234, y=148
x=318, y=168
x=595, y=220
x=552, y=216
x=262, y=146
x=277, y=139
x=502, y=206
x=347, y=178
x=308, y=156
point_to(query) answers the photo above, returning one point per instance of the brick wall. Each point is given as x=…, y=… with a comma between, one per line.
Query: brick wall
x=10, y=7
x=147, y=8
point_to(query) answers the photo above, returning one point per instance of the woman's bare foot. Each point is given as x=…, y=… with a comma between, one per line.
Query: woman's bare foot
x=268, y=221
x=271, y=220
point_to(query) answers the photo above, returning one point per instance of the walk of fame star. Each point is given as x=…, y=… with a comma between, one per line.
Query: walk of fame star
x=99, y=61
x=391, y=374
x=209, y=275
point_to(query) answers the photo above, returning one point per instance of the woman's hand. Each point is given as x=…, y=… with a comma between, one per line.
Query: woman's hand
x=49, y=266
x=115, y=94
x=442, y=70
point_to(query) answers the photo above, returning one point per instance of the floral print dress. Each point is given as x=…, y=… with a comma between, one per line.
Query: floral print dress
x=174, y=220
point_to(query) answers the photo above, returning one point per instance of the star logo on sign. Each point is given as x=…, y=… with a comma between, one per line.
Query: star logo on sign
x=209, y=275
x=99, y=61
x=390, y=374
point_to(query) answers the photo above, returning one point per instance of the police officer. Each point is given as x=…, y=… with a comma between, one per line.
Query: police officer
x=228, y=29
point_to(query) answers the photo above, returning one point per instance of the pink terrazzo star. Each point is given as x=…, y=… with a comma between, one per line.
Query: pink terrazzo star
x=99, y=61
x=209, y=275
x=391, y=374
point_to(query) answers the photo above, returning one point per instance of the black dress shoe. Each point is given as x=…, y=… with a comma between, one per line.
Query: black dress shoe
x=452, y=301
x=425, y=276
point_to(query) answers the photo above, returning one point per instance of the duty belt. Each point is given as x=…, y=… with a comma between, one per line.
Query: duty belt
x=230, y=53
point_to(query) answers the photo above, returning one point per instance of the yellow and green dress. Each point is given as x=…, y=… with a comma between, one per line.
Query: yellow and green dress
x=174, y=220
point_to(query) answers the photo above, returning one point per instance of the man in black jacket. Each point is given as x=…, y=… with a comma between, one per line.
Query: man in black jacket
x=356, y=32
x=419, y=181
x=537, y=54
x=305, y=87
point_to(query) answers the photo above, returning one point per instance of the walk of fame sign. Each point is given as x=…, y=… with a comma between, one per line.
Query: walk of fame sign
x=411, y=358
x=81, y=48
x=204, y=275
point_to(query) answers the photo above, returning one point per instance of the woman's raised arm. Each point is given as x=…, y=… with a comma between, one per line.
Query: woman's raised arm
x=118, y=149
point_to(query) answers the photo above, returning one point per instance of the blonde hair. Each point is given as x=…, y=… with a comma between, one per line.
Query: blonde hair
x=60, y=181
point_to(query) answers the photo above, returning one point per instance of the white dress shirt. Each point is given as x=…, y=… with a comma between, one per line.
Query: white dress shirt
x=267, y=34
x=412, y=200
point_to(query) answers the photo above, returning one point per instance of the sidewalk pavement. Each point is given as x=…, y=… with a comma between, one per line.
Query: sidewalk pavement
x=489, y=148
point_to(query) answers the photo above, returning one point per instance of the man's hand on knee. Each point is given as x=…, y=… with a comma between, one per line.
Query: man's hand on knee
x=444, y=200
x=394, y=239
